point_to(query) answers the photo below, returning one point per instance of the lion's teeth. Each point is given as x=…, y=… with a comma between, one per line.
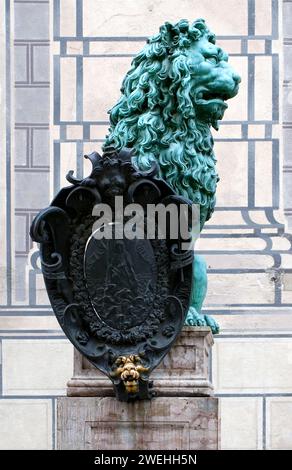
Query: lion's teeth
x=200, y=95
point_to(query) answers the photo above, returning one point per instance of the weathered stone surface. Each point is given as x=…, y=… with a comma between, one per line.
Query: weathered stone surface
x=163, y=423
x=183, y=372
x=175, y=419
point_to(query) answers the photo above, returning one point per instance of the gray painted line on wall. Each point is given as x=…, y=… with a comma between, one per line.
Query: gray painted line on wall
x=56, y=17
x=240, y=139
x=57, y=97
x=79, y=19
x=7, y=338
x=31, y=397
x=208, y=309
x=221, y=123
x=63, y=48
x=97, y=56
x=243, y=47
x=1, y=369
x=144, y=38
x=246, y=305
x=278, y=293
x=275, y=174
x=242, y=252
x=54, y=423
x=275, y=19
x=251, y=174
x=218, y=395
x=63, y=134
x=85, y=48
x=268, y=132
x=270, y=216
x=241, y=270
x=268, y=47
x=211, y=366
x=264, y=411
x=79, y=88
x=26, y=313
x=252, y=395
x=79, y=159
x=32, y=331
x=32, y=311
x=251, y=17
x=38, y=169
x=86, y=132
x=250, y=87
x=82, y=123
x=255, y=335
x=32, y=85
x=241, y=208
x=32, y=287
x=56, y=167
x=234, y=312
x=119, y=55
x=8, y=154
x=233, y=235
x=35, y=125
x=244, y=131
x=33, y=308
x=32, y=1
x=221, y=336
x=275, y=87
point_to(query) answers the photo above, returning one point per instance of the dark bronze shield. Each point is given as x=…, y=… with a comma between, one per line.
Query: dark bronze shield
x=122, y=302
x=121, y=280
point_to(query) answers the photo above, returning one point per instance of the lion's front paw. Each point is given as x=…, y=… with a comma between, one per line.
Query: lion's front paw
x=212, y=324
x=194, y=318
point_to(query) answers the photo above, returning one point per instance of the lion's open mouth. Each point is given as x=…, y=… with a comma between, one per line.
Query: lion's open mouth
x=204, y=95
x=207, y=96
x=211, y=104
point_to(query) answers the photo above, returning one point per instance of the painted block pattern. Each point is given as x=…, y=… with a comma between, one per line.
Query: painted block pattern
x=36, y=366
x=57, y=86
x=287, y=109
x=241, y=423
x=26, y=424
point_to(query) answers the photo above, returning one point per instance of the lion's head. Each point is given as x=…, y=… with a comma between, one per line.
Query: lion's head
x=176, y=89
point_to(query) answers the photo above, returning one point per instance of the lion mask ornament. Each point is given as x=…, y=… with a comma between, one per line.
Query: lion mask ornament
x=175, y=91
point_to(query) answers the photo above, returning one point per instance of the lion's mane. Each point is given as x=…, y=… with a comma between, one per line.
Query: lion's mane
x=156, y=115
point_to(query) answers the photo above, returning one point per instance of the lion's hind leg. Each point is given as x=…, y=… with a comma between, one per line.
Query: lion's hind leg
x=198, y=294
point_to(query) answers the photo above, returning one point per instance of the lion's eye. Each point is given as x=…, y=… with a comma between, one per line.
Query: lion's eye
x=213, y=60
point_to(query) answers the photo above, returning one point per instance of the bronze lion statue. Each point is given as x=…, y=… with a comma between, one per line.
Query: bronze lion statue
x=175, y=91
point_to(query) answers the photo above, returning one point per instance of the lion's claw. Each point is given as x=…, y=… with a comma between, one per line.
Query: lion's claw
x=194, y=318
x=212, y=324
x=197, y=319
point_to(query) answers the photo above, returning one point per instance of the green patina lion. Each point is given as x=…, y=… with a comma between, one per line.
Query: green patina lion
x=174, y=92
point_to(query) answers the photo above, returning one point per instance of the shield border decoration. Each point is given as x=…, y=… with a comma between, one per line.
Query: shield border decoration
x=63, y=230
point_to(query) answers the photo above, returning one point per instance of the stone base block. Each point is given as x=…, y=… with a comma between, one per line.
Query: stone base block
x=103, y=423
x=184, y=371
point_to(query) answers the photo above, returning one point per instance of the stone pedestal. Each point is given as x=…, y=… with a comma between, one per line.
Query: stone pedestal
x=183, y=415
x=166, y=423
x=184, y=372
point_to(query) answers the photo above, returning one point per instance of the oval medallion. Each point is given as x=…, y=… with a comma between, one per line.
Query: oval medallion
x=121, y=280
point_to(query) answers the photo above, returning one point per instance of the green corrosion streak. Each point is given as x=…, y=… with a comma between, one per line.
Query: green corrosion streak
x=175, y=91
